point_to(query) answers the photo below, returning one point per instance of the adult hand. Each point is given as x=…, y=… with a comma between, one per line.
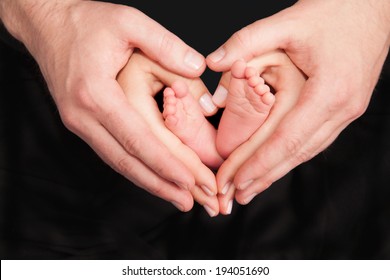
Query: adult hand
x=80, y=47
x=141, y=79
x=341, y=47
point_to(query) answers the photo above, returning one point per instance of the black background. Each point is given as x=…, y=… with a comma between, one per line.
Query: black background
x=59, y=200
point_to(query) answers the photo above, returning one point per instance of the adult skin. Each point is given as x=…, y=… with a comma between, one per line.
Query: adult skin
x=81, y=46
x=341, y=47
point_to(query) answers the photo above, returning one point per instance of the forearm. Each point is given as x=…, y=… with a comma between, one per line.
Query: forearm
x=376, y=13
x=26, y=19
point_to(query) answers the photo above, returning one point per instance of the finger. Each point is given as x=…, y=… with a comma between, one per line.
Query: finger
x=320, y=142
x=287, y=83
x=226, y=197
x=132, y=168
x=195, y=85
x=133, y=133
x=141, y=96
x=247, y=42
x=163, y=46
x=295, y=140
x=205, y=189
x=209, y=203
x=221, y=92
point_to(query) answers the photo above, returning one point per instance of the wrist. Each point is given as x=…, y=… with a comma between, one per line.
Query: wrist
x=28, y=20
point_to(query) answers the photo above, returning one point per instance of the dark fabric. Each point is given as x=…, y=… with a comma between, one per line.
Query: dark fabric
x=60, y=201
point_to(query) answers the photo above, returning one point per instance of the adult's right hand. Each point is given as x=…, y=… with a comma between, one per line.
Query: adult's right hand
x=81, y=46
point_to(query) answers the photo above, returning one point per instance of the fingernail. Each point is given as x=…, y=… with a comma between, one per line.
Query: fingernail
x=193, y=60
x=178, y=205
x=226, y=188
x=249, y=198
x=229, y=207
x=244, y=185
x=206, y=103
x=217, y=55
x=210, y=211
x=219, y=97
x=207, y=190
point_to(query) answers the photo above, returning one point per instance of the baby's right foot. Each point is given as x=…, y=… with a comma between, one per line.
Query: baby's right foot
x=183, y=116
x=247, y=106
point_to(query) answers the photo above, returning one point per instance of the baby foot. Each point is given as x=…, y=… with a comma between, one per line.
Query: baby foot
x=183, y=116
x=247, y=106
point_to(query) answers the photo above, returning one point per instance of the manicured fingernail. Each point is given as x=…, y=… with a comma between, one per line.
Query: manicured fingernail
x=206, y=103
x=217, y=55
x=207, y=190
x=210, y=211
x=219, y=97
x=226, y=188
x=229, y=207
x=193, y=60
x=178, y=205
x=244, y=185
x=249, y=198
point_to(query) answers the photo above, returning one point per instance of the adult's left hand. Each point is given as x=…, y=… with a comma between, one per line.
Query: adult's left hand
x=341, y=47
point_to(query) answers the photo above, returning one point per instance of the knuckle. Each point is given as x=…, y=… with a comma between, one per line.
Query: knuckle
x=243, y=37
x=355, y=110
x=292, y=144
x=133, y=145
x=294, y=148
x=85, y=99
x=124, y=167
x=70, y=118
x=301, y=156
x=351, y=108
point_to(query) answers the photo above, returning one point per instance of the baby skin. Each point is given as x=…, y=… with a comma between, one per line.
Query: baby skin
x=247, y=106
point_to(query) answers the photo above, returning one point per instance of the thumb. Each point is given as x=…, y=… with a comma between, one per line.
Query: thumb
x=164, y=47
x=253, y=40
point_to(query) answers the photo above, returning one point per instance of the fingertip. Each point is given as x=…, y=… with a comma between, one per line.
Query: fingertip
x=216, y=56
x=207, y=104
x=219, y=96
x=244, y=198
x=195, y=62
x=226, y=201
x=212, y=213
x=186, y=202
x=221, y=59
x=229, y=207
